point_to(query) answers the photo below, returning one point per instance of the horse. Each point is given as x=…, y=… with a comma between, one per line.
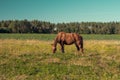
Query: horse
x=67, y=39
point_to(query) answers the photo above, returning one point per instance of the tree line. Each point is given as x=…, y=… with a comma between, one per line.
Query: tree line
x=36, y=26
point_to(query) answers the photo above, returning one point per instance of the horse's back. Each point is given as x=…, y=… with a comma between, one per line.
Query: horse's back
x=63, y=35
x=68, y=38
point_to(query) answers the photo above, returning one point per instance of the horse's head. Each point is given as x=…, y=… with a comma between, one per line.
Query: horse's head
x=53, y=48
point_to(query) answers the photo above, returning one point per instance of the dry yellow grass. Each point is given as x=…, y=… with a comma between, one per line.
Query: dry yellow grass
x=17, y=47
x=13, y=46
x=109, y=49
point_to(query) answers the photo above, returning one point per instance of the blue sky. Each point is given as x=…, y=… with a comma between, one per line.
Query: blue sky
x=58, y=11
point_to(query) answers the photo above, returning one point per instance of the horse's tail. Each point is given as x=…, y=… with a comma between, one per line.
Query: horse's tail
x=81, y=43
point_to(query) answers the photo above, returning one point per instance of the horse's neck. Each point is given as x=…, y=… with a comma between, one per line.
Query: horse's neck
x=55, y=42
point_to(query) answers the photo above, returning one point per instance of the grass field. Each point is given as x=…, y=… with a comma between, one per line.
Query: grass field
x=29, y=57
x=47, y=37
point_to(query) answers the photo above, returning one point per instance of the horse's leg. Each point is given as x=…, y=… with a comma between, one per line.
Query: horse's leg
x=81, y=47
x=77, y=46
x=62, y=47
x=81, y=44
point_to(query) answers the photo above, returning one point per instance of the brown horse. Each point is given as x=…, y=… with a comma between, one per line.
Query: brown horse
x=68, y=38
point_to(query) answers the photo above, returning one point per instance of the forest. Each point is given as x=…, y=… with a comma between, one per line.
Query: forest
x=36, y=26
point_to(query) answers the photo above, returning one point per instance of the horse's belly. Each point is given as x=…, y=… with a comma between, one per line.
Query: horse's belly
x=68, y=43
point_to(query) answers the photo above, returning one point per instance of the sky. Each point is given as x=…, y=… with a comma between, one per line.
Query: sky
x=59, y=11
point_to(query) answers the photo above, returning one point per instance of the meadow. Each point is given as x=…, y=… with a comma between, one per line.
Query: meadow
x=30, y=57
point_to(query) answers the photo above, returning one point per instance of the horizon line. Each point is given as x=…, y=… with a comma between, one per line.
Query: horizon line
x=57, y=22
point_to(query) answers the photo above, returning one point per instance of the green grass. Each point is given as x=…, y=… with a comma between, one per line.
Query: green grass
x=29, y=57
x=33, y=67
x=28, y=36
x=101, y=37
x=52, y=36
